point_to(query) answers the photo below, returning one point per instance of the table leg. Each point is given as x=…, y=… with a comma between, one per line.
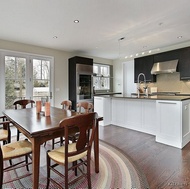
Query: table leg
x=35, y=162
x=96, y=149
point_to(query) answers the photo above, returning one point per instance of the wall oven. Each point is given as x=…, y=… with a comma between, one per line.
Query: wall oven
x=84, y=82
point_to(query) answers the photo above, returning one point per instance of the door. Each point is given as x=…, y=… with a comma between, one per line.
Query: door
x=41, y=84
x=27, y=77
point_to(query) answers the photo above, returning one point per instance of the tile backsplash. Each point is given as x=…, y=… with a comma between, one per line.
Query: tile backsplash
x=171, y=82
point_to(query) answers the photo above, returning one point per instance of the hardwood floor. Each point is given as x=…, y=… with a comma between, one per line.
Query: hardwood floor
x=165, y=167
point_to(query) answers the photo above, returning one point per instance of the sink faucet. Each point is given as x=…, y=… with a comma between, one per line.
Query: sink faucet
x=138, y=85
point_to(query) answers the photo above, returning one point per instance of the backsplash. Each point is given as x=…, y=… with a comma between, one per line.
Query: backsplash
x=171, y=83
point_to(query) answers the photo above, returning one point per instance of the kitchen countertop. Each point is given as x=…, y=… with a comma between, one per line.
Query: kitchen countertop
x=107, y=93
x=154, y=97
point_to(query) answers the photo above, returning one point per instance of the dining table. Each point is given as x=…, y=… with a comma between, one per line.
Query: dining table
x=39, y=128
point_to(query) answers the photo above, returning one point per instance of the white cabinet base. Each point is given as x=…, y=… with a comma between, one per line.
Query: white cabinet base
x=169, y=121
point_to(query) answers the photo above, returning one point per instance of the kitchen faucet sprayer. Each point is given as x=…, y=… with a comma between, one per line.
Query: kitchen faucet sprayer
x=145, y=86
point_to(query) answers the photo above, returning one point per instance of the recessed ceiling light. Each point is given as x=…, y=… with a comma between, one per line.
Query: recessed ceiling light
x=137, y=54
x=179, y=37
x=142, y=52
x=131, y=56
x=76, y=21
x=126, y=56
x=55, y=37
x=150, y=51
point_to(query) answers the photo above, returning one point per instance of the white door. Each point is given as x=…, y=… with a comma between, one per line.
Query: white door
x=26, y=77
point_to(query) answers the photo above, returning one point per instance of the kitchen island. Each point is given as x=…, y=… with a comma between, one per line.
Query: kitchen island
x=166, y=117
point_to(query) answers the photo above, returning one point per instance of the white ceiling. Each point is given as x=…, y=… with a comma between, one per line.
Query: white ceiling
x=145, y=24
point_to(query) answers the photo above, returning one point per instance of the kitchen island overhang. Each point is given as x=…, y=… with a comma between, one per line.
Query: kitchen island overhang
x=166, y=117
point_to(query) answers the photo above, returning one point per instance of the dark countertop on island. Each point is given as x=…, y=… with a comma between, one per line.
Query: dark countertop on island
x=107, y=93
x=154, y=97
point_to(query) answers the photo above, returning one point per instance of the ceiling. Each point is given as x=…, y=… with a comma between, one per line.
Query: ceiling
x=144, y=24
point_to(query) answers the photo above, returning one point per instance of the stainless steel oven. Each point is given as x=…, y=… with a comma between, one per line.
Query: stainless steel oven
x=84, y=82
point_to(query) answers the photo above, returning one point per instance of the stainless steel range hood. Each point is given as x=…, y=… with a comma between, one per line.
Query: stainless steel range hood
x=164, y=67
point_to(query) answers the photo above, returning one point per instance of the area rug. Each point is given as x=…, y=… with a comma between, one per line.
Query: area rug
x=117, y=170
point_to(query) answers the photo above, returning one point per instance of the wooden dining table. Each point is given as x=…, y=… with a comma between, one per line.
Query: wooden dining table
x=39, y=129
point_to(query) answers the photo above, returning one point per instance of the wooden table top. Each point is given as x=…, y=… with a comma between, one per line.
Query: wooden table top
x=34, y=124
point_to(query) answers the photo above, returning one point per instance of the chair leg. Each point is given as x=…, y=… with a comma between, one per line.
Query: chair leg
x=66, y=176
x=61, y=141
x=18, y=135
x=48, y=170
x=1, y=169
x=88, y=173
x=53, y=143
x=26, y=159
x=75, y=163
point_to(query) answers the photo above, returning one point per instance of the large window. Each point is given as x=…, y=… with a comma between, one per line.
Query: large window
x=26, y=76
x=101, y=77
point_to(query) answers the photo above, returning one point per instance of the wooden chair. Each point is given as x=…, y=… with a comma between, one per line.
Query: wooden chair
x=70, y=153
x=12, y=151
x=5, y=132
x=22, y=104
x=85, y=107
x=66, y=105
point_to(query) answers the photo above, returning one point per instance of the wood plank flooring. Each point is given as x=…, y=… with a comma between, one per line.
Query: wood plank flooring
x=165, y=167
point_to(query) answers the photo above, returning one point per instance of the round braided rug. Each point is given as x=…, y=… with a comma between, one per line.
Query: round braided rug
x=117, y=170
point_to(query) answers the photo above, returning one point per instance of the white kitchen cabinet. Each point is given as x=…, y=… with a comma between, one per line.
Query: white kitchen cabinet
x=103, y=107
x=173, y=123
x=169, y=121
x=118, y=111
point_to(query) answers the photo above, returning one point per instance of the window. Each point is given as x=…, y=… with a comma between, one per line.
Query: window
x=25, y=76
x=41, y=79
x=101, y=77
x=15, y=82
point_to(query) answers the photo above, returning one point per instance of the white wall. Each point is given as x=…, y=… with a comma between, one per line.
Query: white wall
x=117, y=76
x=128, y=78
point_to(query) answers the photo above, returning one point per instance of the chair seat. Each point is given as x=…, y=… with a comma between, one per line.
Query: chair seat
x=58, y=154
x=3, y=134
x=16, y=149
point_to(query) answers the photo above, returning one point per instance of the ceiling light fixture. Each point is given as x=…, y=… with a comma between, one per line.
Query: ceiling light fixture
x=119, y=40
x=179, y=37
x=55, y=37
x=76, y=21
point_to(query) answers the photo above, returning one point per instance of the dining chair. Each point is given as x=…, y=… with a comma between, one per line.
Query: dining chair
x=85, y=107
x=22, y=105
x=5, y=132
x=13, y=150
x=73, y=155
x=66, y=105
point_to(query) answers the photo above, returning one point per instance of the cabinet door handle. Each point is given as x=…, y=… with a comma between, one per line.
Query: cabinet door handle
x=185, y=77
x=167, y=102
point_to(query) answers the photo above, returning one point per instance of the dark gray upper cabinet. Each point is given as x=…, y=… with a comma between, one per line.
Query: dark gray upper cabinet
x=144, y=65
x=166, y=56
x=184, y=64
